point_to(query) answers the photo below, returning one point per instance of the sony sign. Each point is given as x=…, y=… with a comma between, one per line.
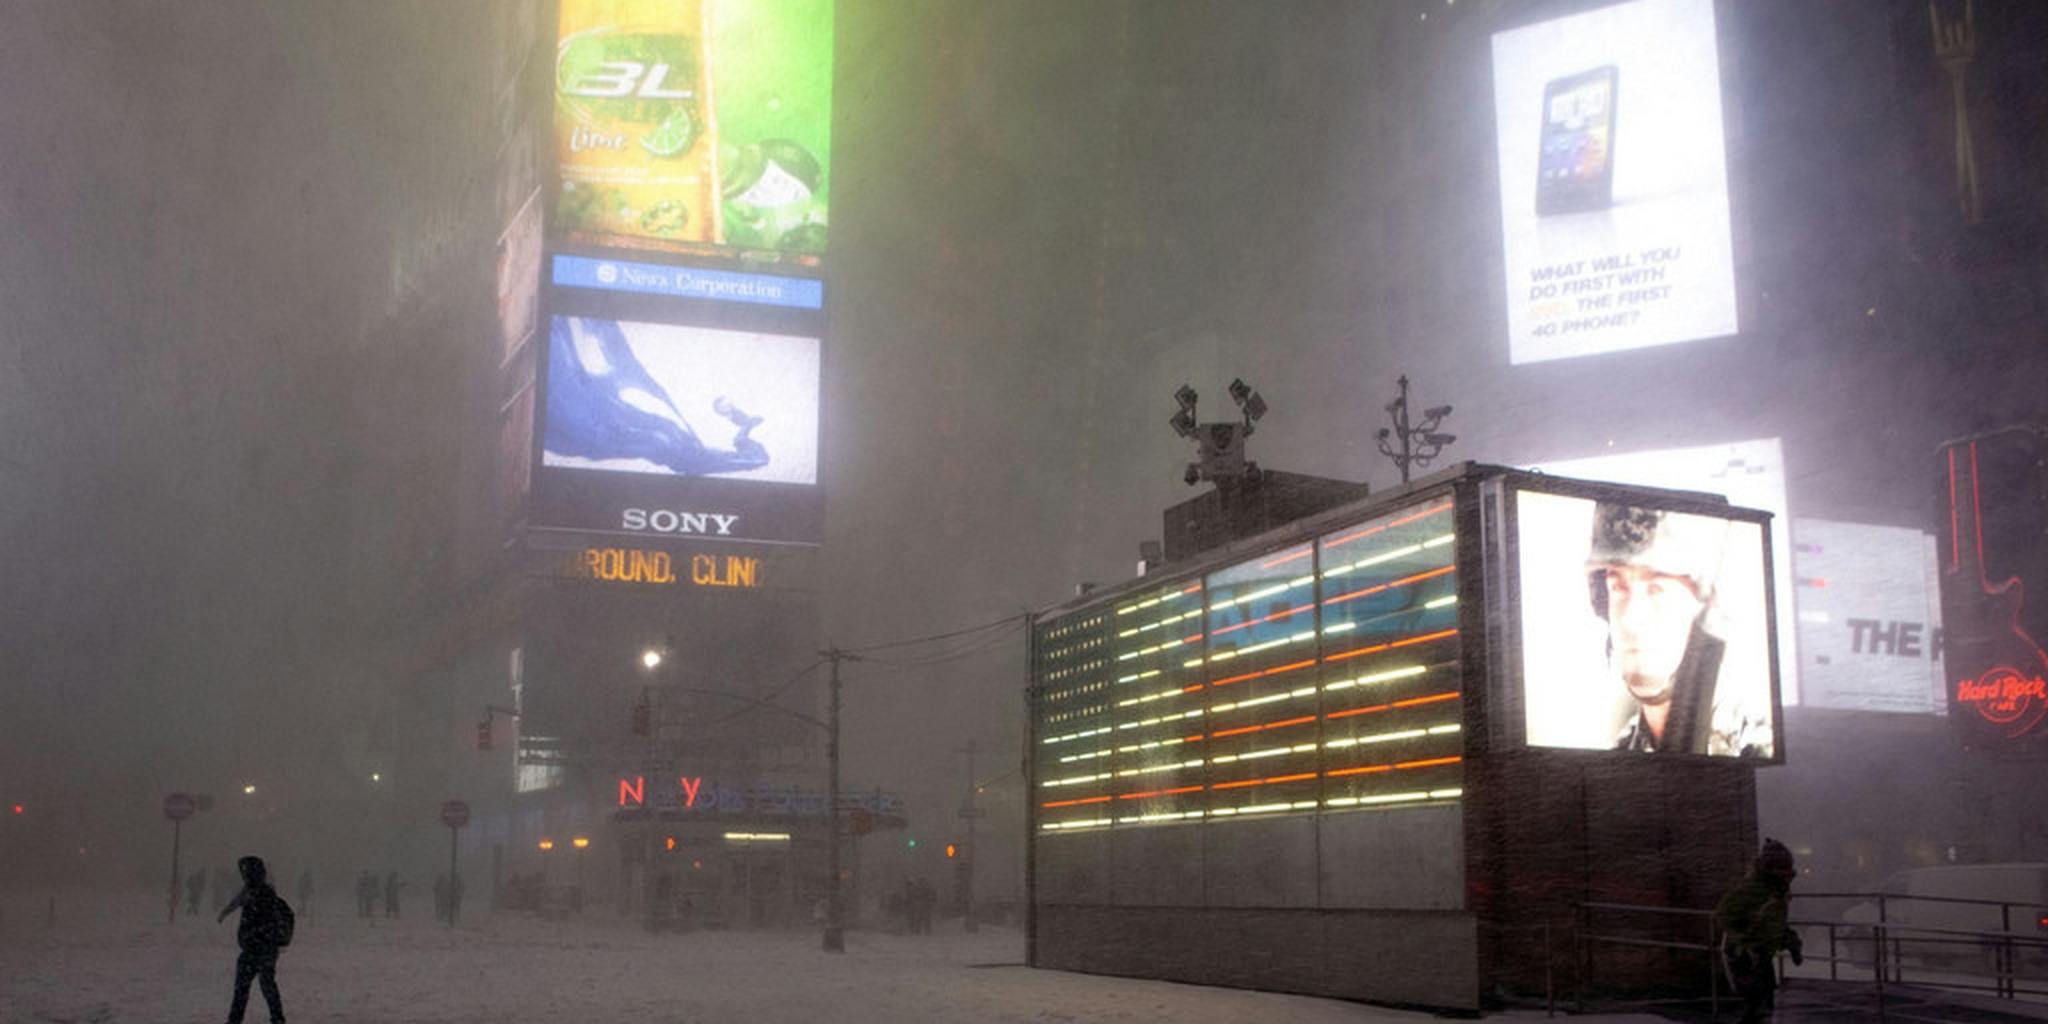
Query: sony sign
x=663, y=520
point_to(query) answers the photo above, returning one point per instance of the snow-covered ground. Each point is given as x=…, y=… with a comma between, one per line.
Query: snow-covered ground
x=113, y=958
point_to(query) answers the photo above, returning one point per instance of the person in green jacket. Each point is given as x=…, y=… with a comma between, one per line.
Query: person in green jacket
x=1754, y=930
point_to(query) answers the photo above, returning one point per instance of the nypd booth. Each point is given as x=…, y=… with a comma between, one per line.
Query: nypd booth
x=1450, y=746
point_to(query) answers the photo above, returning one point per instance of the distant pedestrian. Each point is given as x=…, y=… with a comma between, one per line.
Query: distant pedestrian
x=455, y=898
x=195, y=890
x=265, y=928
x=391, y=887
x=897, y=908
x=366, y=896
x=924, y=901
x=306, y=891
x=1754, y=930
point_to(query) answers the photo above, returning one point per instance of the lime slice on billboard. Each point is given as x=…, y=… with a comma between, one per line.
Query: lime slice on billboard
x=673, y=135
x=772, y=173
x=666, y=217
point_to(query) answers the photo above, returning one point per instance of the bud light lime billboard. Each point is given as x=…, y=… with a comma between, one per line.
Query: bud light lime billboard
x=695, y=127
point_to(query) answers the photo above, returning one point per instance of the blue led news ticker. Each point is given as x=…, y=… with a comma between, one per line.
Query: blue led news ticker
x=689, y=282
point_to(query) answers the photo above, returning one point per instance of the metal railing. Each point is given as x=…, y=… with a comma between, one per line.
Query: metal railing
x=1587, y=937
x=1894, y=946
x=1542, y=932
x=1897, y=944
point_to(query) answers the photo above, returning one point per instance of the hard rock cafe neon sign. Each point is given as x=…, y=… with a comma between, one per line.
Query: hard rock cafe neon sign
x=2012, y=694
x=2005, y=696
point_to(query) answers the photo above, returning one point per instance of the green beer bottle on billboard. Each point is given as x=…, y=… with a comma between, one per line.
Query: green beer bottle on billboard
x=695, y=126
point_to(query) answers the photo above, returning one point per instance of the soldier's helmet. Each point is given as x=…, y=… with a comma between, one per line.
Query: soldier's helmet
x=1775, y=859
x=1671, y=543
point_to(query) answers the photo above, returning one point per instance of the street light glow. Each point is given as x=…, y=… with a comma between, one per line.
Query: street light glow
x=249, y=790
x=651, y=658
x=581, y=841
x=376, y=776
x=546, y=845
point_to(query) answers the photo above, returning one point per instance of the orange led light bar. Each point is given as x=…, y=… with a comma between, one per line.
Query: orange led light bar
x=1423, y=639
x=1368, y=769
x=1409, y=703
x=1403, y=521
x=1160, y=792
x=1402, y=582
x=1072, y=803
x=1282, y=724
x=1296, y=610
x=1284, y=559
x=1274, y=671
x=1242, y=783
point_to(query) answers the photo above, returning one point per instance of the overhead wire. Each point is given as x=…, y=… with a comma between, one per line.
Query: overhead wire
x=768, y=700
x=982, y=645
x=912, y=641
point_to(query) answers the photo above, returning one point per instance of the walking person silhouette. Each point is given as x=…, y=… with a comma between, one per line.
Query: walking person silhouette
x=265, y=928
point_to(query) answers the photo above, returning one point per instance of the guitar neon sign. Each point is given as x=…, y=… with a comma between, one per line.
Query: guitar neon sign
x=2012, y=693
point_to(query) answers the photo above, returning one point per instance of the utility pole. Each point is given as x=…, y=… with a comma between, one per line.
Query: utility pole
x=970, y=811
x=835, y=931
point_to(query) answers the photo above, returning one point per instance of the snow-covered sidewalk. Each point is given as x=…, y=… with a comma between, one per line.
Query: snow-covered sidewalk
x=114, y=959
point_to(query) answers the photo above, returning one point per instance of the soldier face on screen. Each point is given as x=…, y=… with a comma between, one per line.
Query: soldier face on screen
x=1650, y=617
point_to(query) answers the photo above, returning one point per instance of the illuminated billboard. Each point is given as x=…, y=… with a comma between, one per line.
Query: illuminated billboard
x=667, y=430
x=1643, y=629
x=1748, y=473
x=1613, y=181
x=698, y=127
x=1870, y=634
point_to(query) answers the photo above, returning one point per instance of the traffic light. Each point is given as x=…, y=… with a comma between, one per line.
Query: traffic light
x=483, y=735
x=643, y=719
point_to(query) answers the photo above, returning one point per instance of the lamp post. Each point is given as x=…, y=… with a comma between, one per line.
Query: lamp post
x=581, y=843
x=835, y=929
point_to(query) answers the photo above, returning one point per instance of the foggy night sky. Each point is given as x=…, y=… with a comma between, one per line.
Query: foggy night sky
x=233, y=455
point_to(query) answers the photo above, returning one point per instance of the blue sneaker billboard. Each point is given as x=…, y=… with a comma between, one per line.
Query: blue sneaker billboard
x=667, y=418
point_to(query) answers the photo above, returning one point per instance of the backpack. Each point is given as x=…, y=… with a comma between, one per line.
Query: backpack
x=277, y=922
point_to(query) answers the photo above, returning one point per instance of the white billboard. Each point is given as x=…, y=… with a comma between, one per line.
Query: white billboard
x=1613, y=181
x=1869, y=617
